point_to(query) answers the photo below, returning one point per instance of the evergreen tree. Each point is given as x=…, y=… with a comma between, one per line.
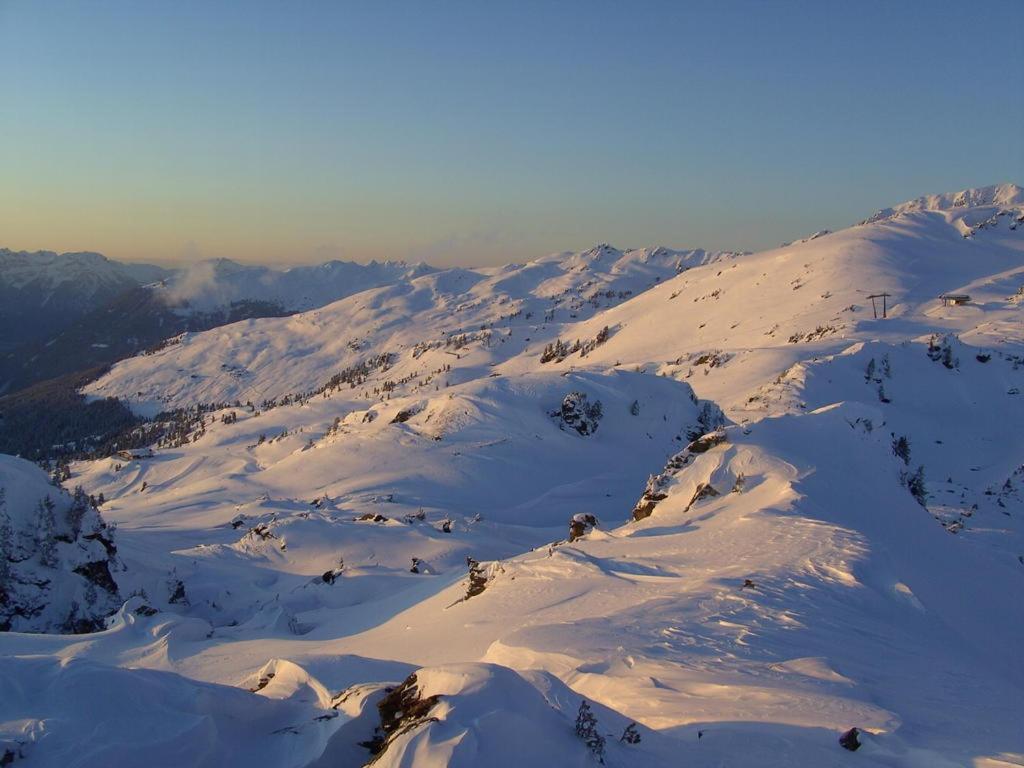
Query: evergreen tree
x=6, y=546
x=477, y=578
x=586, y=729
x=916, y=485
x=947, y=357
x=76, y=514
x=90, y=596
x=631, y=735
x=901, y=449
x=61, y=472
x=176, y=589
x=46, y=536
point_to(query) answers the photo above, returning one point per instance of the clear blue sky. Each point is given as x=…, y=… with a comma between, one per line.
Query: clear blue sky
x=479, y=132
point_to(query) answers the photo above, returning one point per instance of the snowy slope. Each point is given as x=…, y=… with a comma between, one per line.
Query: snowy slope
x=772, y=564
x=487, y=456
x=463, y=318
x=730, y=328
x=81, y=713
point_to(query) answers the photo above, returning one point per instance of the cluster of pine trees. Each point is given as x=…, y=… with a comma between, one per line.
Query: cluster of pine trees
x=29, y=555
x=558, y=350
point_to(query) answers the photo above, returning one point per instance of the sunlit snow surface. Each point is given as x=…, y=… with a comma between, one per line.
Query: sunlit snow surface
x=810, y=593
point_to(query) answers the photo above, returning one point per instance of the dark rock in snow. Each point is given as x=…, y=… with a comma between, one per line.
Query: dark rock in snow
x=371, y=517
x=706, y=442
x=580, y=524
x=645, y=508
x=262, y=683
x=401, y=710
x=656, y=484
x=704, y=491
x=849, y=740
x=403, y=416
x=98, y=573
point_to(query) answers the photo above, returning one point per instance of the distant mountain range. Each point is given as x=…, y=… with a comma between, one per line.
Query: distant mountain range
x=61, y=313
x=43, y=292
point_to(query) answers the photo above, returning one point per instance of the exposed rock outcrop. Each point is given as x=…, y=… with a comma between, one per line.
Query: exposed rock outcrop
x=401, y=710
x=656, y=484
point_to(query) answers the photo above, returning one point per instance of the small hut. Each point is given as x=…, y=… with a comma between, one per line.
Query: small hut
x=954, y=299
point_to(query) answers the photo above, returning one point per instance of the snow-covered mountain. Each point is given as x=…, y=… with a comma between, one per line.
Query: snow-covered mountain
x=87, y=274
x=64, y=313
x=375, y=542
x=1001, y=200
x=74, y=282
x=464, y=320
x=40, y=292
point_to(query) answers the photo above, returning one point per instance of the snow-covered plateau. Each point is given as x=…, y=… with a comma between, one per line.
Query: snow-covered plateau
x=365, y=533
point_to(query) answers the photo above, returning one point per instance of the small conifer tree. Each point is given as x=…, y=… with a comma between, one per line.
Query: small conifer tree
x=46, y=542
x=901, y=449
x=586, y=729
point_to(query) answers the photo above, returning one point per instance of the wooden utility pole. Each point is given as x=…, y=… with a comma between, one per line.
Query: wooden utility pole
x=874, y=308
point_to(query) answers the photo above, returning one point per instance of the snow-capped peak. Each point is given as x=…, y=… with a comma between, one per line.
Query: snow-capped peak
x=993, y=196
x=48, y=269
